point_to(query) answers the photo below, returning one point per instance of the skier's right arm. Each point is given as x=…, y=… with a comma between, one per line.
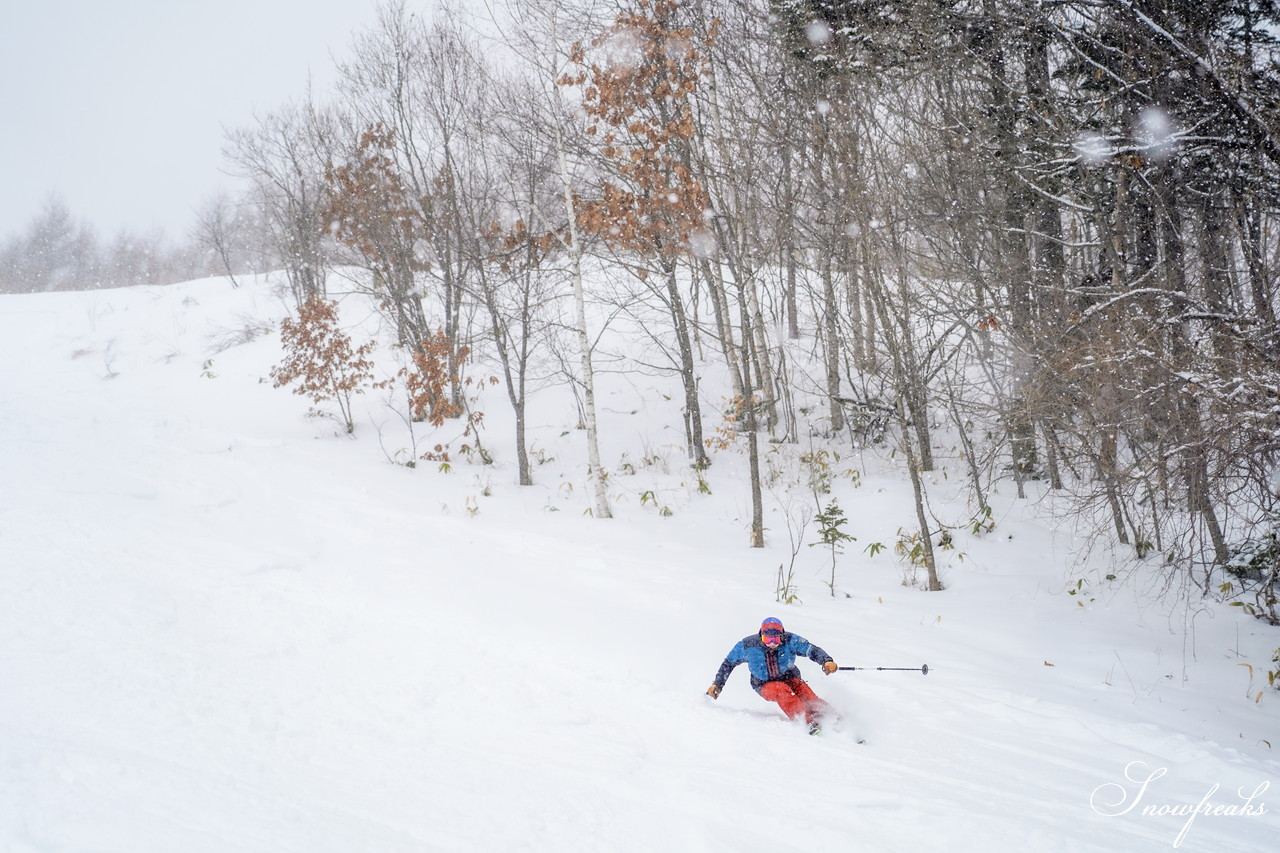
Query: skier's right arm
x=736, y=656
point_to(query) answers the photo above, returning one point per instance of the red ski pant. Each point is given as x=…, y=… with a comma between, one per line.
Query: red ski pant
x=795, y=697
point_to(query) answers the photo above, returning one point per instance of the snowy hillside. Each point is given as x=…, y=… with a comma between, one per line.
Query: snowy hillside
x=225, y=628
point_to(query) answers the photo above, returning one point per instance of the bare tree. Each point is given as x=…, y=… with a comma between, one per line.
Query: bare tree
x=285, y=157
x=541, y=40
x=215, y=228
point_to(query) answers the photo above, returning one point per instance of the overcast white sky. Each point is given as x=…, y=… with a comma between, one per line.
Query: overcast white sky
x=118, y=106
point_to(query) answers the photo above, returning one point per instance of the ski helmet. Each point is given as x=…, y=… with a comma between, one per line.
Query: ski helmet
x=770, y=624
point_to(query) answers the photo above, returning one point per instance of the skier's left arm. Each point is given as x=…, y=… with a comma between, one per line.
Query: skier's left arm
x=801, y=646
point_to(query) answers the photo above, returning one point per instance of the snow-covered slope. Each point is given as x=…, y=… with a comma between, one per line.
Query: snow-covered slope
x=224, y=628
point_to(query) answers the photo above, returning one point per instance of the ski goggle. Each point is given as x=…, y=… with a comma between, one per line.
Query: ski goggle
x=771, y=635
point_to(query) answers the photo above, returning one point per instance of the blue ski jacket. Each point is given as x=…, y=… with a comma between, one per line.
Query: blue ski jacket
x=766, y=664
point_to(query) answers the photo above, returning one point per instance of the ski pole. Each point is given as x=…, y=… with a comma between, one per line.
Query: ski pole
x=921, y=669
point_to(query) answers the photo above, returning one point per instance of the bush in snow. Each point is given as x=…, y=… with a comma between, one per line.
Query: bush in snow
x=319, y=358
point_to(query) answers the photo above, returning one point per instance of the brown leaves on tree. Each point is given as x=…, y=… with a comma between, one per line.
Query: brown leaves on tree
x=370, y=210
x=642, y=72
x=319, y=359
x=430, y=379
x=321, y=364
x=427, y=384
x=521, y=250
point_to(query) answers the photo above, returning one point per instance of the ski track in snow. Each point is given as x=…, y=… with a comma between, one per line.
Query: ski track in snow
x=224, y=628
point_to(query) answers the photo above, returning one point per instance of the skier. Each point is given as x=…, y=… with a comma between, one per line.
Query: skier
x=770, y=656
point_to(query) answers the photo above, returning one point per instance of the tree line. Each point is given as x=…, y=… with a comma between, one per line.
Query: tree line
x=56, y=251
x=1039, y=230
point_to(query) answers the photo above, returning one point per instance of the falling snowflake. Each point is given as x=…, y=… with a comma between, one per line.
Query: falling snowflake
x=1093, y=149
x=818, y=32
x=703, y=243
x=624, y=49
x=1156, y=132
